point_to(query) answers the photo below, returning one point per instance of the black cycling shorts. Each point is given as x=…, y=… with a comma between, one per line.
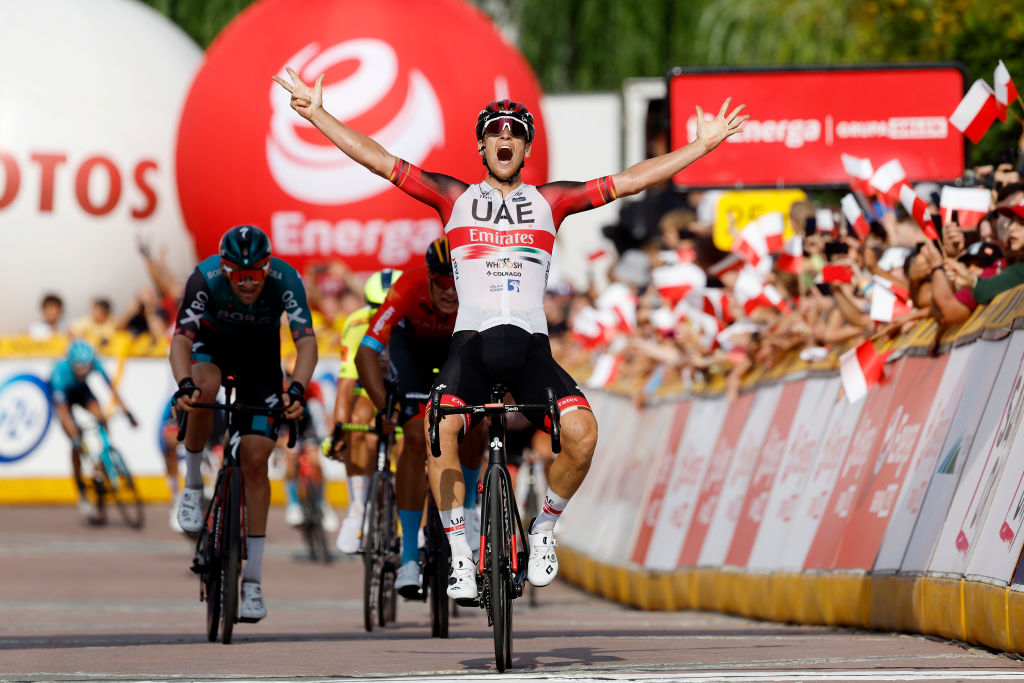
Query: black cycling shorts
x=254, y=359
x=414, y=362
x=511, y=356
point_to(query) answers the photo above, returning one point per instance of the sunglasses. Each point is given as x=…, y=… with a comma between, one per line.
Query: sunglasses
x=238, y=274
x=516, y=128
x=443, y=281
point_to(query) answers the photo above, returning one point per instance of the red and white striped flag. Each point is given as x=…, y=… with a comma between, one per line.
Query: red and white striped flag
x=752, y=292
x=976, y=111
x=586, y=328
x=1005, y=90
x=750, y=244
x=619, y=299
x=855, y=217
x=860, y=172
x=901, y=293
x=772, y=225
x=715, y=302
x=970, y=203
x=676, y=281
x=729, y=263
x=664, y=320
x=887, y=179
x=606, y=370
x=917, y=208
x=860, y=369
x=886, y=306
x=791, y=259
x=705, y=325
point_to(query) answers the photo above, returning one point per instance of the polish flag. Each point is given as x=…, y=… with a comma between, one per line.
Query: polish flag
x=886, y=180
x=750, y=244
x=772, y=225
x=664, y=320
x=1005, y=90
x=682, y=255
x=860, y=369
x=729, y=263
x=916, y=207
x=860, y=172
x=791, y=260
x=726, y=338
x=898, y=291
x=675, y=282
x=970, y=203
x=855, y=217
x=705, y=325
x=824, y=221
x=586, y=328
x=752, y=293
x=715, y=302
x=832, y=272
x=976, y=111
x=886, y=306
x=606, y=370
x=620, y=300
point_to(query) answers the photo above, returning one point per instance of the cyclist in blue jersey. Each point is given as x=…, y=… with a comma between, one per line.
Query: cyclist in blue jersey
x=68, y=387
x=229, y=324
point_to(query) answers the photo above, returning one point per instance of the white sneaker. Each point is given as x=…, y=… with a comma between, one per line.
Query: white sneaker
x=253, y=607
x=473, y=531
x=190, y=509
x=543, y=565
x=462, y=580
x=409, y=581
x=348, y=537
x=328, y=517
x=293, y=514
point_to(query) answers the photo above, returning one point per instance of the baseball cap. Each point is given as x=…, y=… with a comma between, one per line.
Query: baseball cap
x=1016, y=211
x=983, y=253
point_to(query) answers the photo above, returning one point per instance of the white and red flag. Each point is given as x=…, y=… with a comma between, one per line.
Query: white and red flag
x=1005, y=90
x=886, y=306
x=681, y=255
x=587, y=330
x=917, y=208
x=729, y=263
x=855, y=217
x=606, y=370
x=750, y=244
x=970, y=203
x=620, y=300
x=824, y=220
x=860, y=369
x=715, y=302
x=676, y=281
x=752, y=292
x=976, y=111
x=664, y=320
x=791, y=259
x=772, y=225
x=888, y=178
x=860, y=172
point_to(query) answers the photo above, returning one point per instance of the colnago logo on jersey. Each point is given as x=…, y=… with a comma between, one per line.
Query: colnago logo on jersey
x=472, y=243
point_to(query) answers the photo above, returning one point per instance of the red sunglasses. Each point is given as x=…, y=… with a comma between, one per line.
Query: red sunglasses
x=516, y=128
x=443, y=281
x=237, y=274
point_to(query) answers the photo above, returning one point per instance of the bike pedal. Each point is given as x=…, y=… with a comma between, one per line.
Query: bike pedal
x=467, y=602
x=248, y=620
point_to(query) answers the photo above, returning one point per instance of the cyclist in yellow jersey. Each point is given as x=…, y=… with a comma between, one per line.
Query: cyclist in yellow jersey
x=352, y=404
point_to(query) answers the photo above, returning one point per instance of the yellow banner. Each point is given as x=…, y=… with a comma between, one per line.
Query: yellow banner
x=737, y=209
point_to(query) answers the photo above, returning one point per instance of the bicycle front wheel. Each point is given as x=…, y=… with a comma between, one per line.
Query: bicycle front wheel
x=498, y=571
x=313, y=522
x=372, y=551
x=438, y=563
x=390, y=554
x=212, y=586
x=121, y=487
x=231, y=566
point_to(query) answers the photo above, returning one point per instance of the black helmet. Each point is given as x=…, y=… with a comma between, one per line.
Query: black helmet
x=439, y=257
x=503, y=108
x=244, y=246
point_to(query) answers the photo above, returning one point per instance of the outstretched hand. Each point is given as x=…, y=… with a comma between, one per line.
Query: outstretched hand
x=712, y=133
x=305, y=99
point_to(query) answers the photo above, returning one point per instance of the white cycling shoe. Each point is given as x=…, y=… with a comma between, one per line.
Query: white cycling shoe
x=293, y=515
x=348, y=537
x=329, y=517
x=190, y=510
x=543, y=565
x=462, y=580
x=409, y=581
x=253, y=608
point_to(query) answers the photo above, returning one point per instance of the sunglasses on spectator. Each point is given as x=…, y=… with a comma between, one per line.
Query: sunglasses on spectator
x=443, y=281
x=237, y=274
x=516, y=128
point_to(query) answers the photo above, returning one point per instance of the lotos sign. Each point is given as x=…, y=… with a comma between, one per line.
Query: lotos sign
x=412, y=74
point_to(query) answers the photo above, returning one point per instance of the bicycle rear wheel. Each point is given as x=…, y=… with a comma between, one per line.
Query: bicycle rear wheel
x=212, y=583
x=122, y=489
x=372, y=556
x=531, y=508
x=312, y=523
x=390, y=549
x=231, y=565
x=498, y=570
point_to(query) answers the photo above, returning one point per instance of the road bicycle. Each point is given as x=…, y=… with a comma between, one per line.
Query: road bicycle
x=504, y=552
x=436, y=562
x=310, y=485
x=221, y=546
x=111, y=480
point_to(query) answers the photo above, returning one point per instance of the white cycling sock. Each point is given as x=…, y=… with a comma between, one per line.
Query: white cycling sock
x=357, y=493
x=254, y=564
x=549, y=514
x=194, y=469
x=454, y=522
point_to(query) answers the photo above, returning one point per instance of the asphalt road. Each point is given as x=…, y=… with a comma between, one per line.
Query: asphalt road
x=79, y=602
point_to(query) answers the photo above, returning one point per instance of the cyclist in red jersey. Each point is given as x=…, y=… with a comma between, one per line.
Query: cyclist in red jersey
x=501, y=233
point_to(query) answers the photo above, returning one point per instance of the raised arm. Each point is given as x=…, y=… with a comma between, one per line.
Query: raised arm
x=710, y=134
x=308, y=102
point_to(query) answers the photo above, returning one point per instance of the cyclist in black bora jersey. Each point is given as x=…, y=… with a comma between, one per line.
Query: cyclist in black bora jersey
x=501, y=233
x=229, y=324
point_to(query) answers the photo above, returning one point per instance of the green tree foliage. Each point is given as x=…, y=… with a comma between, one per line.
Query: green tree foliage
x=201, y=19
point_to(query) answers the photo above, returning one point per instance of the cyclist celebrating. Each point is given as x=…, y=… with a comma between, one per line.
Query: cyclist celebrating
x=68, y=387
x=415, y=325
x=502, y=232
x=353, y=404
x=229, y=324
